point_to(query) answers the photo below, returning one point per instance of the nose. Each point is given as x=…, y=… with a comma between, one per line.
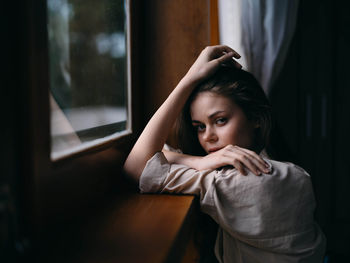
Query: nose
x=209, y=135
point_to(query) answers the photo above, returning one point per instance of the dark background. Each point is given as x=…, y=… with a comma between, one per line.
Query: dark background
x=311, y=107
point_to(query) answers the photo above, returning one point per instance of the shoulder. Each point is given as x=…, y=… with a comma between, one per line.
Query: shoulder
x=288, y=179
x=277, y=169
x=286, y=169
x=285, y=177
x=283, y=168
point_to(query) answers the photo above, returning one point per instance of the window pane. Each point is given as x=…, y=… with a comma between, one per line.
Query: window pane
x=88, y=73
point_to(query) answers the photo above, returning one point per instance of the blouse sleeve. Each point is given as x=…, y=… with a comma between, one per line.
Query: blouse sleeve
x=159, y=176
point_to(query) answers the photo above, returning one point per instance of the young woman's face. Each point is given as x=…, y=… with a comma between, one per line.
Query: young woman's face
x=220, y=122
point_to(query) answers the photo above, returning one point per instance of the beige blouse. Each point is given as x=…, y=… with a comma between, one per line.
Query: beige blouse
x=266, y=218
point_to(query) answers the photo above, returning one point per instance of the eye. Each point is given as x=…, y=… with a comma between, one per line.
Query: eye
x=199, y=127
x=221, y=121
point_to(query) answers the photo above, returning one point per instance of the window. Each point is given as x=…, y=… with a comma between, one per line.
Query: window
x=89, y=67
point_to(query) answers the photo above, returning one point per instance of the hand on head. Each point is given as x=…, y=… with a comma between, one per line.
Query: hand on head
x=210, y=59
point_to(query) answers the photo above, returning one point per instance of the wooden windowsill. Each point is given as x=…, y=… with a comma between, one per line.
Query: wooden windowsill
x=131, y=228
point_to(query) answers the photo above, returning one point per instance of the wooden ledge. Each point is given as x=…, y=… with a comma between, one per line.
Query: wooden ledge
x=132, y=228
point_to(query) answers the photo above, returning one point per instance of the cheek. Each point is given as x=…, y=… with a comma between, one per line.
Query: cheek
x=200, y=139
x=229, y=134
x=202, y=142
x=238, y=134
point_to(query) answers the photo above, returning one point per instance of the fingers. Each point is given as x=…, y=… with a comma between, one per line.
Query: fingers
x=225, y=55
x=246, y=162
x=223, y=49
x=215, y=52
x=243, y=158
x=240, y=167
x=257, y=160
x=226, y=60
x=231, y=63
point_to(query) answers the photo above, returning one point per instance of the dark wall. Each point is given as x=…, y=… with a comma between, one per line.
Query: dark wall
x=311, y=109
x=12, y=105
x=174, y=33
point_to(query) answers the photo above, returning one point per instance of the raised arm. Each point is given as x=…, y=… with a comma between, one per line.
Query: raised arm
x=157, y=130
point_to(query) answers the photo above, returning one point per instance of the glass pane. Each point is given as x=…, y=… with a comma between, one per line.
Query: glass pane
x=88, y=72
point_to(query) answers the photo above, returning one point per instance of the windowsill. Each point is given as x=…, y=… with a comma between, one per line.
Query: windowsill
x=132, y=228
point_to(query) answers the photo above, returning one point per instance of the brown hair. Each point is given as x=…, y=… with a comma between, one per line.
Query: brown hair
x=245, y=91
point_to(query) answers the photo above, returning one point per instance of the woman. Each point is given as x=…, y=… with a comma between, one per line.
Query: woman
x=264, y=208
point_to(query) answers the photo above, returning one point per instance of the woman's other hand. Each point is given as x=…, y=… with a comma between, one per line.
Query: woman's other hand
x=210, y=59
x=236, y=156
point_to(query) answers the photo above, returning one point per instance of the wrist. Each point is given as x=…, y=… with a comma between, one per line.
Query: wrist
x=195, y=162
x=180, y=158
x=190, y=81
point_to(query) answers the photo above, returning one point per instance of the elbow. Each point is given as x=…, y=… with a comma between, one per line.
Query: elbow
x=132, y=169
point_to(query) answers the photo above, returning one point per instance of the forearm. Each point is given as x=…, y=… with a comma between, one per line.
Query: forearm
x=157, y=130
x=180, y=158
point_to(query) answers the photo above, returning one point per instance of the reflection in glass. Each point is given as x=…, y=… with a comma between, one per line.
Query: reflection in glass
x=88, y=72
